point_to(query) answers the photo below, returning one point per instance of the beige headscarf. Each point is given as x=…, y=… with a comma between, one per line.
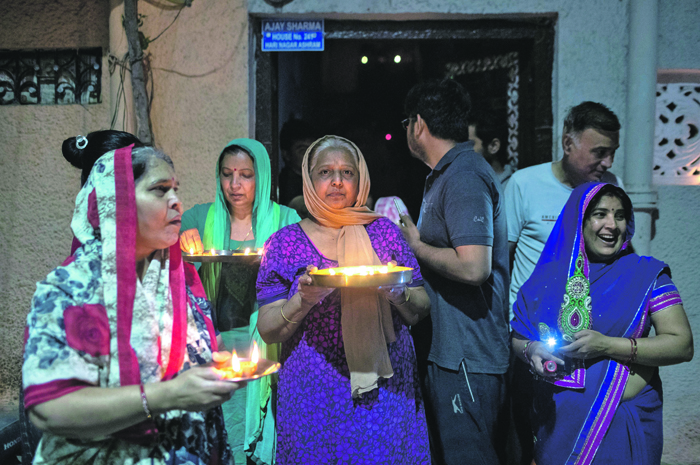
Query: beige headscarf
x=366, y=317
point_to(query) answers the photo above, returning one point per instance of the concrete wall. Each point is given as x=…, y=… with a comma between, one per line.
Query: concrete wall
x=37, y=185
x=200, y=102
x=679, y=35
x=200, y=75
x=677, y=244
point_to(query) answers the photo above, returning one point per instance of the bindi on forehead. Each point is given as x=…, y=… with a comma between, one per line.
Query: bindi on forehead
x=608, y=209
x=610, y=204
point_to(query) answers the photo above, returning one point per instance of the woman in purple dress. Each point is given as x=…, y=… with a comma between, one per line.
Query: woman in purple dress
x=348, y=388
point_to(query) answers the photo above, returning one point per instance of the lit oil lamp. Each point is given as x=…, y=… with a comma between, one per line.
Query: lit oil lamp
x=246, y=367
x=362, y=276
x=229, y=366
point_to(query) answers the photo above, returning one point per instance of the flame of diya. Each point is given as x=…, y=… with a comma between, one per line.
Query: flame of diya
x=362, y=276
x=364, y=270
x=359, y=270
x=214, y=252
x=229, y=366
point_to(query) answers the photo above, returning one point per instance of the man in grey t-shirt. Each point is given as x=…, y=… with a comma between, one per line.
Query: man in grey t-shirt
x=461, y=244
x=536, y=195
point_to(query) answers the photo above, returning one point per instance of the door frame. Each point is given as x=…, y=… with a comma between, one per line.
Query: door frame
x=539, y=30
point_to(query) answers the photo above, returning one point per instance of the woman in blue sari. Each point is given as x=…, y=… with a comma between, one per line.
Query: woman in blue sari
x=589, y=307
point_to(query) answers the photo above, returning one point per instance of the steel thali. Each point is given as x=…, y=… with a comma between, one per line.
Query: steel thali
x=362, y=276
x=223, y=256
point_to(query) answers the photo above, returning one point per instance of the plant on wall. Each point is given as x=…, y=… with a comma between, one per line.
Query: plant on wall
x=138, y=42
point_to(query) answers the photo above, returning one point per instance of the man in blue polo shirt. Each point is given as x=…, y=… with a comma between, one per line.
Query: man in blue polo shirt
x=462, y=246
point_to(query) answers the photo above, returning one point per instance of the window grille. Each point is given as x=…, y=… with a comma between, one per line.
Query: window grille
x=50, y=77
x=677, y=135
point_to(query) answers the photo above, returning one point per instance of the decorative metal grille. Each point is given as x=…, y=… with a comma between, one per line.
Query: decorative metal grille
x=677, y=135
x=50, y=77
x=510, y=62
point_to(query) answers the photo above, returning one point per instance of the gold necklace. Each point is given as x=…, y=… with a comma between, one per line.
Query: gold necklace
x=247, y=234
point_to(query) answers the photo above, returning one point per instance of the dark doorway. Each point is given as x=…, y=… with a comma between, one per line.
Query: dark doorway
x=356, y=88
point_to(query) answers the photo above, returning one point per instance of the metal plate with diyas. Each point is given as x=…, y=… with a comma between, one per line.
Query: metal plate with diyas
x=223, y=256
x=354, y=276
x=265, y=368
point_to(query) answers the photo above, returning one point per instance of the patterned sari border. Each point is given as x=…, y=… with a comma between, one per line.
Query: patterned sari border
x=606, y=407
x=127, y=224
x=39, y=393
x=177, y=289
x=639, y=330
x=609, y=395
x=660, y=303
x=576, y=380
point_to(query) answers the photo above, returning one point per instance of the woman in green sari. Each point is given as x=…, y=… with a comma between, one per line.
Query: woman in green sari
x=241, y=216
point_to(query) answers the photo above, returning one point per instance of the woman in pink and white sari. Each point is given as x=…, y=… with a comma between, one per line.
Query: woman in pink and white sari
x=117, y=333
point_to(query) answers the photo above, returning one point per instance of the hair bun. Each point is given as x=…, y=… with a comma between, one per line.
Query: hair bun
x=83, y=151
x=72, y=153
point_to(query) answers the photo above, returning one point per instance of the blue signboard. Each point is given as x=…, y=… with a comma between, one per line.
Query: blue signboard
x=281, y=35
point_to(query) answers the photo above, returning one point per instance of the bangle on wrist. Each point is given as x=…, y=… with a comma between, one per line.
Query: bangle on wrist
x=633, y=351
x=408, y=297
x=144, y=403
x=285, y=318
x=526, y=353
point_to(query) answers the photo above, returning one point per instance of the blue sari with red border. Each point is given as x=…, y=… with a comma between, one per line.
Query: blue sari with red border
x=579, y=416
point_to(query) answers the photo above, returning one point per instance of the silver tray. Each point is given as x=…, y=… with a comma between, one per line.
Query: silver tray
x=394, y=275
x=223, y=256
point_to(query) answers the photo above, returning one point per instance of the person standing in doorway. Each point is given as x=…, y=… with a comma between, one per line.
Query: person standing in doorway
x=295, y=137
x=490, y=137
x=460, y=242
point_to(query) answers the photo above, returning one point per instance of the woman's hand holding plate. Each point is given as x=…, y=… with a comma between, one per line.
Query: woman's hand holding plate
x=190, y=242
x=311, y=295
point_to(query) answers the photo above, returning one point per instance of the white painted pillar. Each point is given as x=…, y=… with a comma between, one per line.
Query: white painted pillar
x=118, y=46
x=641, y=115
